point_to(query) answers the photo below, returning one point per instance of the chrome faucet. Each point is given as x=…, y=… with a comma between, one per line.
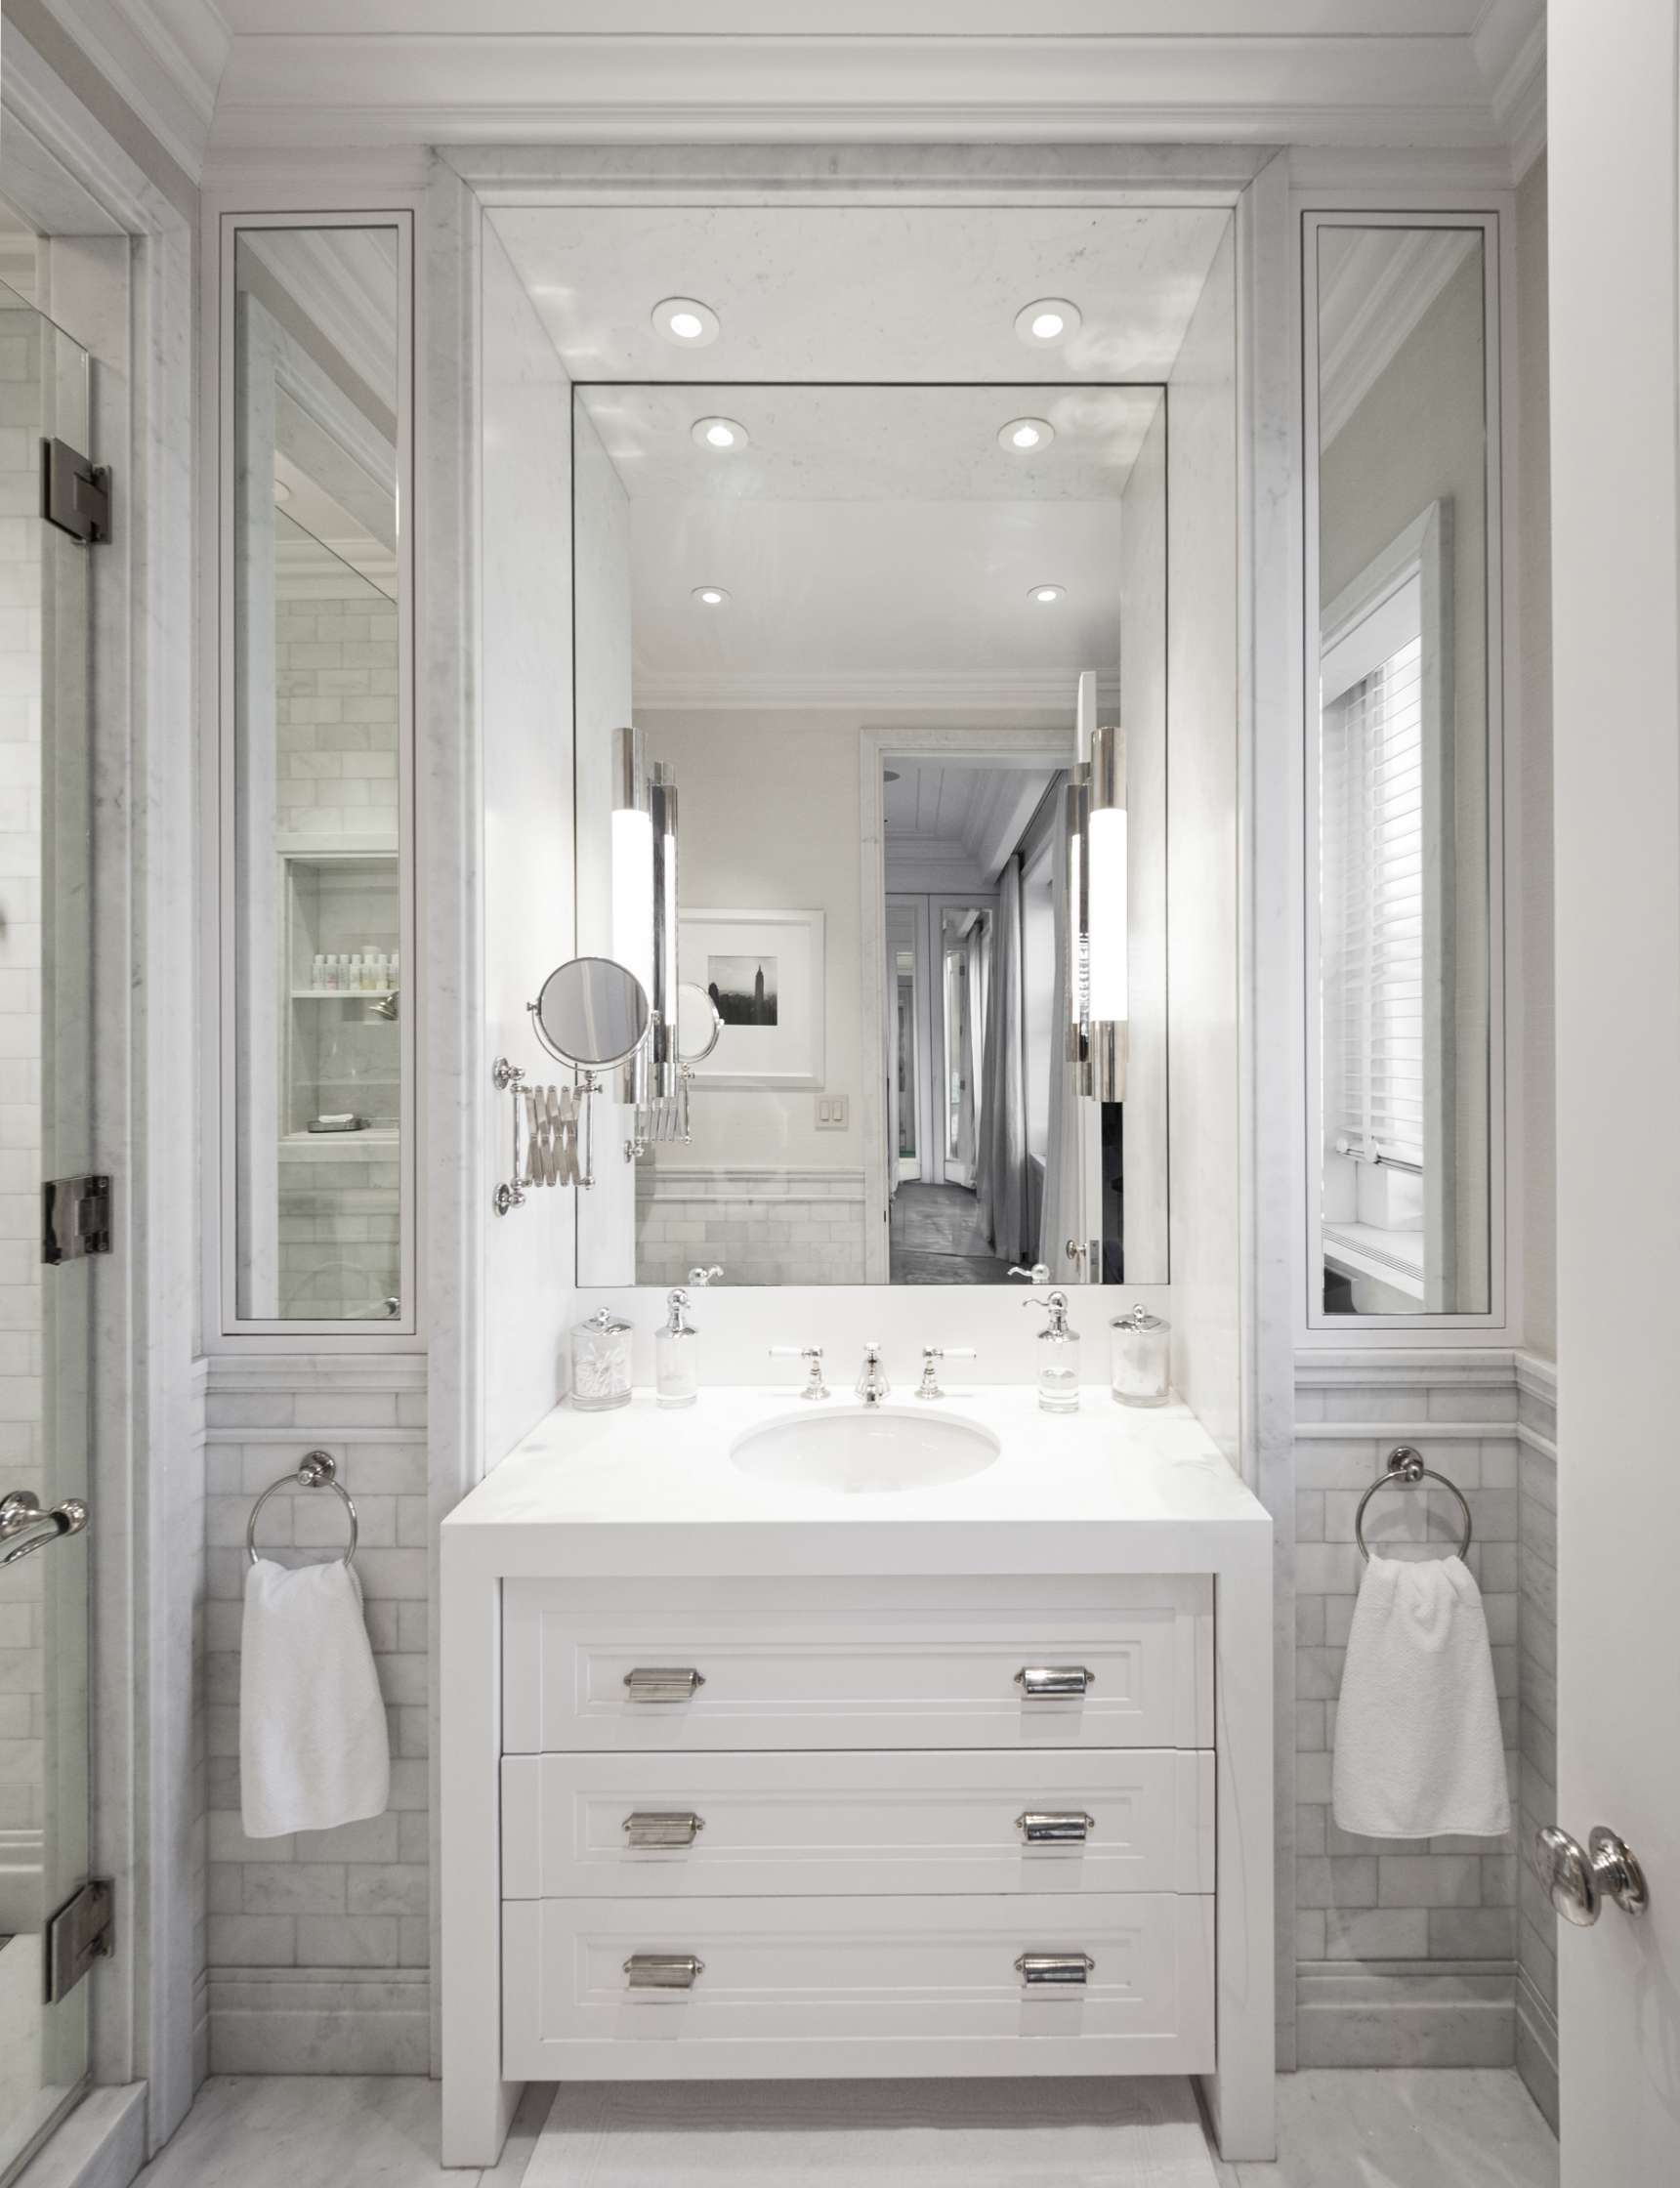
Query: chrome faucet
x=872, y=1383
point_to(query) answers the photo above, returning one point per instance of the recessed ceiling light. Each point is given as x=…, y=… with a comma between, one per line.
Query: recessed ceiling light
x=710, y=596
x=1046, y=595
x=1050, y=320
x=718, y=433
x=1020, y=436
x=688, y=324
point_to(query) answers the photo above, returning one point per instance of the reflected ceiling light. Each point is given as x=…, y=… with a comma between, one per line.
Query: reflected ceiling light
x=1022, y=435
x=1050, y=320
x=718, y=433
x=1046, y=595
x=710, y=596
x=684, y=320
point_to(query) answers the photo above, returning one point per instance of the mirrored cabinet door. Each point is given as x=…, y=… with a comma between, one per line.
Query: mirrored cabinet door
x=1403, y=768
x=316, y=926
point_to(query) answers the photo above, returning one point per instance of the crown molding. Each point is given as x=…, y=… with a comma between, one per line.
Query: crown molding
x=1510, y=48
x=328, y=90
x=163, y=57
x=1375, y=301
x=958, y=691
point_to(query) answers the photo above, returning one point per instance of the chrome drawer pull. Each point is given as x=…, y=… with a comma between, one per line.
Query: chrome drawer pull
x=1055, y=1967
x=662, y=1682
x=1058, y=1826
x=663, y=1971
x=1041, y=1681
x=655, y=1827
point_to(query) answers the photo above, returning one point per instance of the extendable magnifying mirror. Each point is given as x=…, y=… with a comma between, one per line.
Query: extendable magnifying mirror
x=700, y=1023
x=591, y=1013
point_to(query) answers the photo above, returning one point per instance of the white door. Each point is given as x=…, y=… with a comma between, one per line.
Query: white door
x=1610, y=75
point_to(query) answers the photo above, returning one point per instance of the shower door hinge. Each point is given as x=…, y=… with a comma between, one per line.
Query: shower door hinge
x=76, y=1218
x=79, y=1934
x=75, y=493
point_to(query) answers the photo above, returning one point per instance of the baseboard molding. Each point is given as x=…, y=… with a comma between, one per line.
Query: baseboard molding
x=1426, y=2013
x=1537, y=2048
x=101, y=2145
x=297, y=2020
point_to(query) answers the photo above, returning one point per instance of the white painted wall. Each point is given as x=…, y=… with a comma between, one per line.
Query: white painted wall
x=1202, y=967
x=767, y=805
x=526, y=612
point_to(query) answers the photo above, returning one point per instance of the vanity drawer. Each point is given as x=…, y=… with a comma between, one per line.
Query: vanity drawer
x=847, y=1663
x=896, y=1986
x=1124, y=1820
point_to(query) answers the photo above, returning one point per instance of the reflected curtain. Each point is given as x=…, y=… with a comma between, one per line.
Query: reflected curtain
x=1063, y=1215
x=1000, y=1180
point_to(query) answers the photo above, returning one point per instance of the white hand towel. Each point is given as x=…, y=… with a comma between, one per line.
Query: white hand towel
x=313, y=1750
x=1419, y=1746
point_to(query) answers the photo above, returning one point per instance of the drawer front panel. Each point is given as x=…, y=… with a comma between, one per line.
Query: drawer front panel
x=835, y=1664
x=1127, y=1820
x=898, y=1986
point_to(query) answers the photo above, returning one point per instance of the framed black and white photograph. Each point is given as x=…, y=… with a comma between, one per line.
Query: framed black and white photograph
x=764, y=970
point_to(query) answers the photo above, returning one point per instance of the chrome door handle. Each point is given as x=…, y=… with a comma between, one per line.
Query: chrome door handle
x=1055, y=1967
x=663, y=1971
x=1055, y=1827
x=1040, y=1682
x=1578, y=1881
x=21, y=1514
x=656, y=1827
x=662, y=1682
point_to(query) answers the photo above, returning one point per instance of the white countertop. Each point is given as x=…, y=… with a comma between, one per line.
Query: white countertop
x=650, y=1489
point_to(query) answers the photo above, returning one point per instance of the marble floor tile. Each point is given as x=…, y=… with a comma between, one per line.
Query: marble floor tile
x=250, y=2130
x=1400, y=2127
x=1141, y=2132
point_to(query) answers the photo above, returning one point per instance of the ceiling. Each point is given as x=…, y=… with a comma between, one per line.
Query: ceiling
x=877, y=546
x=863, y=293
x=220, y=76
x=876, y=444
x=970, y=815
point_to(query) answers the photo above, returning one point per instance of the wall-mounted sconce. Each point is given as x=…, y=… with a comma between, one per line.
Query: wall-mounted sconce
x=1098, y=940
x=645, y=929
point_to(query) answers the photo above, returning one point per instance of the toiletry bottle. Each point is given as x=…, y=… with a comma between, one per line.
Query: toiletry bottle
x=600, y=1363
x=1058, y=1356
x=330, y=976
x=676, y=1365
x=1141, y=1367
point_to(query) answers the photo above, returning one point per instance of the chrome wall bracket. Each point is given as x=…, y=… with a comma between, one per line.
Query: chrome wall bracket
x=554, y=1119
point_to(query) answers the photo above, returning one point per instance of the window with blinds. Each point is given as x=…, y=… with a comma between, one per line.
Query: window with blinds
x=1372, y=884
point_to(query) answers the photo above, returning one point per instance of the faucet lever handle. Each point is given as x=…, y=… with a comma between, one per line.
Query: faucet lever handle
x=932, y=1355
x=812, y=1355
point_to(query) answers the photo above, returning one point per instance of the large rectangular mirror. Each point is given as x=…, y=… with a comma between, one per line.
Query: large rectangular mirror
x=317, y=930
x=874, y=677
x=1402, y=769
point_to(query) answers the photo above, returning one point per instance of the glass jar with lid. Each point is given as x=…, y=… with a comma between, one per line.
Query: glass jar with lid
x=601, y=1363
x=1140, y=1361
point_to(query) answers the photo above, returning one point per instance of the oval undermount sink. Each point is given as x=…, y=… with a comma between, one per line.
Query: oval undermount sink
x=857, y=1452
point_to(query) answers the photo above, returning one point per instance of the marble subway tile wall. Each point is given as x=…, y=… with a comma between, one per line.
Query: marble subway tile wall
x=336, y=712
x=319, y=1944
x=1405, y=1952
x=1538, y=1696
x=20, y=1455
x=763, y=1227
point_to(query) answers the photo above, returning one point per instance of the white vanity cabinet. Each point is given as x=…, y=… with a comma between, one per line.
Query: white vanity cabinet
x=746, y=1782
x=920, y=1825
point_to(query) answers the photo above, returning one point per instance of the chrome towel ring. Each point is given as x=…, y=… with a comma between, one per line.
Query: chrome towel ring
x=1404, y=1470
x=315, y=1470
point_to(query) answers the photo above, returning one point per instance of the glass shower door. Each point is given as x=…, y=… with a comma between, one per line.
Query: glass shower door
x=45, y=1318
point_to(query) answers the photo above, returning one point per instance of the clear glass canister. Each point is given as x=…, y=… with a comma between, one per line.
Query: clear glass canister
x=600, y=1363
x=1141, y=1371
